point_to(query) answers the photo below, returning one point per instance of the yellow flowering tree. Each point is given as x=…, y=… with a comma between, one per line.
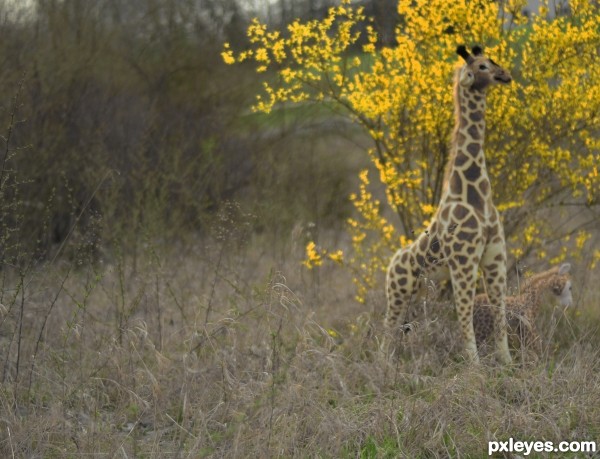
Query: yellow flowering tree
x=543, y=138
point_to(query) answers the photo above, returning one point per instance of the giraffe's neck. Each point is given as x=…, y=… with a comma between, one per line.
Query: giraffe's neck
x=466, y=175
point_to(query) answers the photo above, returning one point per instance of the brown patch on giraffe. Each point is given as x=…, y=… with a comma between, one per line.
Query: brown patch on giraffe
x=460, y=138
x=455, y=183
x=402, y=281
x=435, y=245
x=476, y=116
x=400, y=270
x=490, y=277
x=499, y=257
x=472, y=173
x=473, y=148
x=473, y=131
x=472, y=105
x=493, y=217
x=471, y=222
x=423, y=243
x=460, y=212
x=421, y=261
x=457, y=246
x=465, y=236
x=484, y=187
x=461, y=159
x=474, y=198
x=393, y=285
x=432, y=260
x=403, y=259
x=462, y=259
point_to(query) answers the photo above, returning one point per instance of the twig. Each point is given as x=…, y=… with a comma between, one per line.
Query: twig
x=214, y=283
x=10, y=128
x=12, y=450
x=275, y=356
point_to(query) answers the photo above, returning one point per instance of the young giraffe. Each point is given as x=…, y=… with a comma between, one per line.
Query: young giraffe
x=465, y=233
x=522, y=310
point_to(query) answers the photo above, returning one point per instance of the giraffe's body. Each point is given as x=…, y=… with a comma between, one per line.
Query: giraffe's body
x=465, y=233
x=551, y=286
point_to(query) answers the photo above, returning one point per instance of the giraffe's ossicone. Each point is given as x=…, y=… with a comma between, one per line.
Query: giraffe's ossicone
x=466, y=233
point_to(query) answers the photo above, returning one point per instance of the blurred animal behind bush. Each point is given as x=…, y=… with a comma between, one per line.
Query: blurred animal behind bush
x=542, y=290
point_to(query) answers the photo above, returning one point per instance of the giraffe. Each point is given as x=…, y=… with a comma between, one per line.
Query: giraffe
x=553, y=285
x=465, y=233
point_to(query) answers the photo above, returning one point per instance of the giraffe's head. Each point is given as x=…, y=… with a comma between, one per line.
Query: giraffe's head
x=480, y=71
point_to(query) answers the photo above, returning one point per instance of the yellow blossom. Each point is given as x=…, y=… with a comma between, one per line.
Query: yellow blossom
x=337, y=256
x=313, y=257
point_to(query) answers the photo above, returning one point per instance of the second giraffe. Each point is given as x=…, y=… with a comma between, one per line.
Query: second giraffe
x=466, y=233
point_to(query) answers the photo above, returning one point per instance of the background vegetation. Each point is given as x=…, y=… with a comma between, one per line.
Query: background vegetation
x=153, y=229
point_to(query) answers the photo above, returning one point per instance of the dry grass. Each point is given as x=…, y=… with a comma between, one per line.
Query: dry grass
x=209, y=353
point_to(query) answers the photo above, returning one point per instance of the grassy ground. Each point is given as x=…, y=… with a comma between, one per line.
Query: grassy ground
x=214, y=351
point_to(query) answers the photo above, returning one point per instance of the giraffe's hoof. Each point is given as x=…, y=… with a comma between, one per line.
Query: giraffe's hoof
x=505, y=359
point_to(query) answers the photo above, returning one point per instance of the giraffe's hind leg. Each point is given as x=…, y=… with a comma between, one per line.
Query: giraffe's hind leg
x=493, y=265
x=401, y=288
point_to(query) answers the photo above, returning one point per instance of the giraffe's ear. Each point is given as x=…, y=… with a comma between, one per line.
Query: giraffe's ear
x=466, y=77
x=462, y=52
x=477, y=50
x=564, y=268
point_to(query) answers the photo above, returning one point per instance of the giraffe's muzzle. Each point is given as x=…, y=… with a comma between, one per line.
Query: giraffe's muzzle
x=503, y=78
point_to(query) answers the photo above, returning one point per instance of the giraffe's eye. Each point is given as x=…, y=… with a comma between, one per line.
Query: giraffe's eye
x=482, y=67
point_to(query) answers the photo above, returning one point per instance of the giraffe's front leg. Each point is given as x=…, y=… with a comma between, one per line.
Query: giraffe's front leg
x=493, y=264
x=464, y=283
